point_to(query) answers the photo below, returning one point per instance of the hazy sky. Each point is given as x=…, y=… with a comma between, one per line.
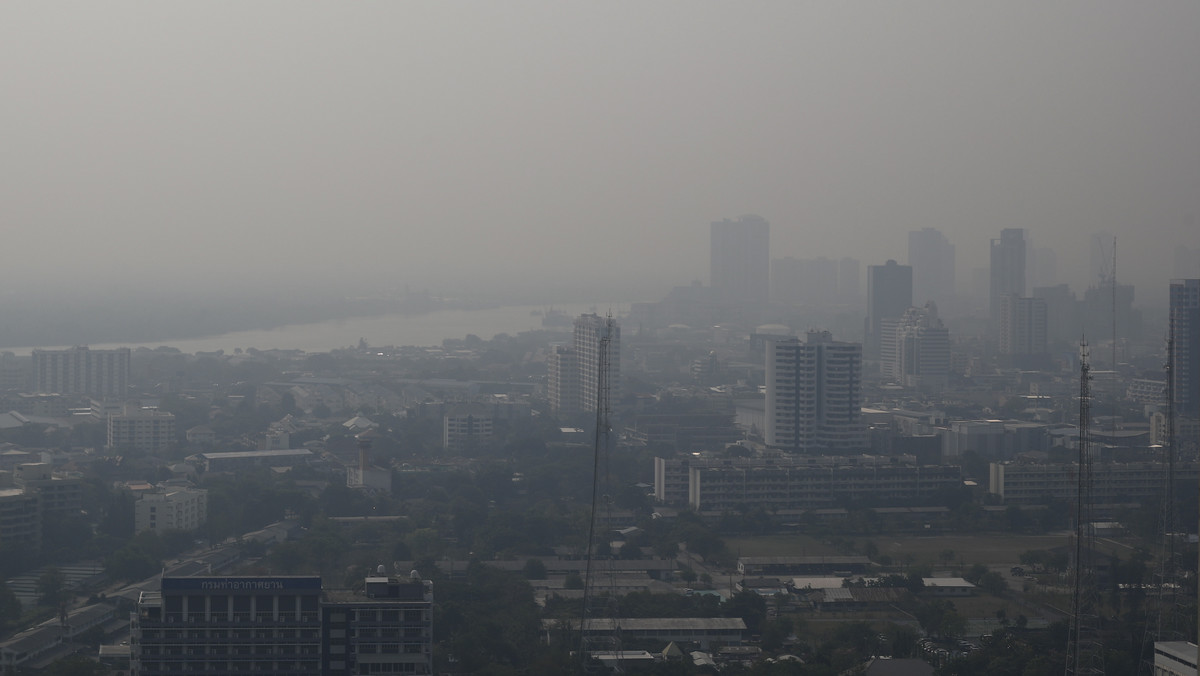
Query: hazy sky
x=507, y=144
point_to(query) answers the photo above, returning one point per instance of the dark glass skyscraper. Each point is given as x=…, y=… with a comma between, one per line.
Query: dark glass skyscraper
x=889, y=295
x=1007, y=270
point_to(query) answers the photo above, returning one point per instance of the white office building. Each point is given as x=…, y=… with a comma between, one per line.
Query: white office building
x=814, y=394
x=171, y=509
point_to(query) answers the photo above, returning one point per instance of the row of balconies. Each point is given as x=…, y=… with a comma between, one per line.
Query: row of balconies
x=232, y=656
x=239, y=620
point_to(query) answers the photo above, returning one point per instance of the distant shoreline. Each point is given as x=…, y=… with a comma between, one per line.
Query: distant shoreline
x=410, y=328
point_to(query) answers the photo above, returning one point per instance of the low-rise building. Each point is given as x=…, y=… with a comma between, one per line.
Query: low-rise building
x=59, y=494
x=283, y=625
x=1112, y=482
x=171, y=508
x=948, y=586
x=792, y=482
x=703, y=631
x=142, y=429
x=386, y=628
x=240, y=460
x=20, y=520
x=803, y=565
x=1174, y=658
x=466, y=428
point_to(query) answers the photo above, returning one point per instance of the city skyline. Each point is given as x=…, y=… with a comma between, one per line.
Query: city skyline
x=467, y=150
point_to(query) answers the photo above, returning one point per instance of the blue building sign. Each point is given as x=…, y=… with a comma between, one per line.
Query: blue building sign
x=241, y=584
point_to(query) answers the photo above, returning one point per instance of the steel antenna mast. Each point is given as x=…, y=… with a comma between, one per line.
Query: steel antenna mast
x=1085, y=653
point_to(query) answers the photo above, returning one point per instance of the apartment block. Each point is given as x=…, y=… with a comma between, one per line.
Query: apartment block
x=171, y=509
x=284, y=625
x=386, y=628
x=717, y=484
x=141, y=429
x=79, y=370
x=58, y=494
x=1112, y=482
x=915, y=349
x=20, y=520
x=814, y=394
x=228, y=625
x=467, y=427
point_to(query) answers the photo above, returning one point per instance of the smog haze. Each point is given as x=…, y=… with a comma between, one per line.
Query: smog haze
x=552, y=151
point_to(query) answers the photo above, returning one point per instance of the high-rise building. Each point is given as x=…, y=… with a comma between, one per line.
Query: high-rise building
x=931, y=257
x=1185, y=327
x=814, y=394
x=889, y=295
x=78, y=370
x=283, y=625
x=849, y=281
x=1063, y=314
x=1022, y=328
x=807, y=281
x=1007, y=274
x=1041, y=266
x=915, y=350
x=562, y=380
x=740, y=259
x=573, y=372
x=591, y=330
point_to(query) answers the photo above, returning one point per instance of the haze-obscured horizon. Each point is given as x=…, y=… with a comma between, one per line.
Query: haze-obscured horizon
x=548, y=151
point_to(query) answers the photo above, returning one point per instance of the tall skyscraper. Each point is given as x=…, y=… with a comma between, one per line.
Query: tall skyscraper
x=889, y=295
x=1185, y=327
x=807, y=281
x=740, y=259
x=1064, y=322
x=78, y=370
x=562, y=380
x=573, y=372
x=931, y=257
x=915, y=350
x=814, y=394
x=849, y=281
x=1008, y=269
x=1022, y=329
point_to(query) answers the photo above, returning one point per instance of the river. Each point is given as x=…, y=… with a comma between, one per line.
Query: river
x=428, y=328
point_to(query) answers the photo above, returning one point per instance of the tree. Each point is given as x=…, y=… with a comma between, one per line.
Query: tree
x=993, y=583
x=775, y=632
x=74, y=665
x=749, y=606
x=946, y=556
x=535, y=569
x=10, y=607
x=51, y=587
